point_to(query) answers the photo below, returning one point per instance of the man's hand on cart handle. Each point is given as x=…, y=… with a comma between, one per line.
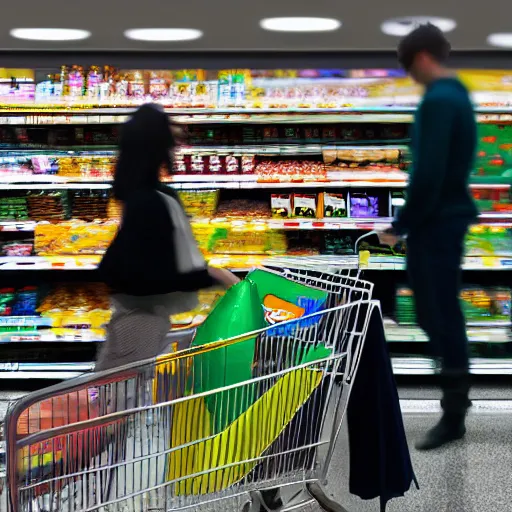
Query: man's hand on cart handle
x=387, y=236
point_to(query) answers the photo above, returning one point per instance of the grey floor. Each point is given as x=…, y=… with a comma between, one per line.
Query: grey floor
x=474, y=475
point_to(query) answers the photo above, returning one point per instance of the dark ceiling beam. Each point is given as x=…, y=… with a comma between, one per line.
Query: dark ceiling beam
x=483, y=59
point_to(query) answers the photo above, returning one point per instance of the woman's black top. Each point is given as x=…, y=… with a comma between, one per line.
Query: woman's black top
x=141, y=259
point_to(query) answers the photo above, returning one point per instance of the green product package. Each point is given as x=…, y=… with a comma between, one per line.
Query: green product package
x=238, y=312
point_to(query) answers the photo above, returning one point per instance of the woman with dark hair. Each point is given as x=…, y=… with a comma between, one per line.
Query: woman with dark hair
x=153, y=266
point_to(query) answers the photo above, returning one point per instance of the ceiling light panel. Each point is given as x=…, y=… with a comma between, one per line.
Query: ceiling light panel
x=404, y=25
x=50, y=34
x=163, y=34
x=300, y=24
x=501, y=40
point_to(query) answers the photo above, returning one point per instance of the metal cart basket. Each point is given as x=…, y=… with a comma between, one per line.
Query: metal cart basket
x=152, y=436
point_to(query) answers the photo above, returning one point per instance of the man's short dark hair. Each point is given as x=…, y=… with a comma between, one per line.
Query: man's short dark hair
x=425, y=38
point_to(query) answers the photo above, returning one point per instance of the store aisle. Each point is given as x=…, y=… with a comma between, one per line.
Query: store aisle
x=473, y=475
x=469, y=476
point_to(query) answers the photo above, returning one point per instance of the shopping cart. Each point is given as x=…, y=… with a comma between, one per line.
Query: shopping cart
x=152, y=436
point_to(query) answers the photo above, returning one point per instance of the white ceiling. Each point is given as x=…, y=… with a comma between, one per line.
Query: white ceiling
x=234, y=24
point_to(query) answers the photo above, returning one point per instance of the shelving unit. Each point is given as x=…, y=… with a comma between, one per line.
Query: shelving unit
x=74, y=129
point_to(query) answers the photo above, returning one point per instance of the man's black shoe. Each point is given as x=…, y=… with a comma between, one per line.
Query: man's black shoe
x=450, y=428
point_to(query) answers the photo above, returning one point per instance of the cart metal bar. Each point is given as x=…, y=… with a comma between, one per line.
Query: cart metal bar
x=162, y=435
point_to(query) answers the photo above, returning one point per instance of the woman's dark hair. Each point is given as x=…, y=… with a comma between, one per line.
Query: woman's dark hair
x=144, y=147
x=425, y=38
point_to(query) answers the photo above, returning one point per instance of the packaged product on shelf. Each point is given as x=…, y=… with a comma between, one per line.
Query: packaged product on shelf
x=304, y=205
x=45, y=206
x=489, y=241
x=365, y=157
x=136, y=85
x=94, y=79
x=199, y=203
x=337, y=244
x=248, y=164
x=90, y=205
x=77, y=305
x=304, y=243
x=252, y=134
x=244, y=208
x=329, y=134
x=232, y=165
x=41, y=164
x=388, y=131
x=270, y=134
x=13, y=208
x=85, y=166
x=216, y=164
x=486, y=304
x=494, y=155
x=198, y=164
x=25, y=302
x=480, y=305
x=290, y=170
x=179, y=164
x=7, y=296
x=73, y=237
x=17, y=248
x=363, y=205
x=312, y=134
x=114, y=209
x=405, y=309
x=76, y=82
x=493, y=199
x=158, y=84
x=281, y=205
x=291, y=134
x=335, y=205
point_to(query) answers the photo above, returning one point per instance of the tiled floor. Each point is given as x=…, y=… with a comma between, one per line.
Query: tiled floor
x=474, y=475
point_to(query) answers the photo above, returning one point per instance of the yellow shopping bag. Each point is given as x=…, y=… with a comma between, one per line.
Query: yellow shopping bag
x=219, y=461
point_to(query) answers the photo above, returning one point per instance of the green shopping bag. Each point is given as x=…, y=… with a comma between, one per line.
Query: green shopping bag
x=238, y=312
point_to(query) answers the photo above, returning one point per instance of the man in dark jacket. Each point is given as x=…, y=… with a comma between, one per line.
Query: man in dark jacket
x=436, y=216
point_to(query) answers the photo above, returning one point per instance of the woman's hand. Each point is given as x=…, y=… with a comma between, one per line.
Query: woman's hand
x=223, y=276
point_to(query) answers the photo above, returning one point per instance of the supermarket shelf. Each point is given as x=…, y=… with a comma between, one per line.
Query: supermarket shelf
x=244, y=262
x=56, y=186
x=49, y=371
x=70, y=114
x=291, y=149
x=401, y=366
x=425, y=366
x=51, y=336
x=24, y=321
x=491, y=332
x=49, y=262
x=299, y=224
x=363, y=178
x=333, y=223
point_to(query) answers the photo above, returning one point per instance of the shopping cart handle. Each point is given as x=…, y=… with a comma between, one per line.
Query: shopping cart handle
x=370, y=233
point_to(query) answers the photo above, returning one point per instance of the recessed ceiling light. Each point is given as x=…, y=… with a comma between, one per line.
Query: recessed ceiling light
x=295, y=24
x=163, y=34
x=402, y=26
x=503, y=40
x=50, y=34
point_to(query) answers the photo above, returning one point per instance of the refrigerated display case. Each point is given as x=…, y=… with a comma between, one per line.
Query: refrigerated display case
x=277, y=167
